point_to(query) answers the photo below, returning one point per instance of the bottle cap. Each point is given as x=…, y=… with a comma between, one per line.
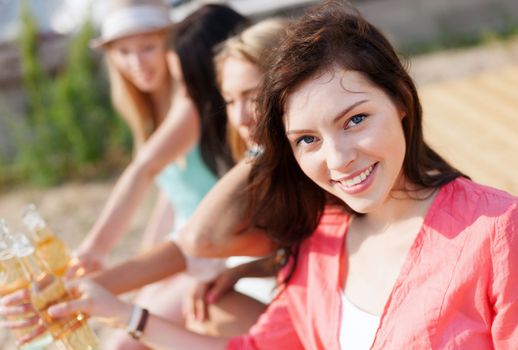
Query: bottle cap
x=22, y=246
x=31, y=218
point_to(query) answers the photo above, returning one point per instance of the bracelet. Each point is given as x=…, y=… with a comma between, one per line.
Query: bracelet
x=137, y=322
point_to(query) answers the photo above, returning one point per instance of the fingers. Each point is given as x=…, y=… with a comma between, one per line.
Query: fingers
x=70, y=307
x=221, y=286
x=20, y=323
x=15, y=310
x=77, y=268
x=199, y=304
x=83, y=303
x=16, y=304
x=193, y=308
x=82, y=265
x=18, y=297
x=35, y=333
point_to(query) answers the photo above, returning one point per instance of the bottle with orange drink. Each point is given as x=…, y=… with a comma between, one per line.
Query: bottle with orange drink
x=12, y=279
x=47, y=289
x=49, y=248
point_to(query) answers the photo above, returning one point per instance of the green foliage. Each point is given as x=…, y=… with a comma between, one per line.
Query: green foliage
x=70, y=129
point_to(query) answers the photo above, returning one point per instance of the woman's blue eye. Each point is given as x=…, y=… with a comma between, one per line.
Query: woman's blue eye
x=306, y=139
x=355, y=120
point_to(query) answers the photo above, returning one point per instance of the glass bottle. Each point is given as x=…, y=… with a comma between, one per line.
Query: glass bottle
x=71, y=332
x=12, y=279
x=49, y=248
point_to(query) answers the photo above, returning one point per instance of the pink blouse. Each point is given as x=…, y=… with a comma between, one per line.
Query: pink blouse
x=458, y=288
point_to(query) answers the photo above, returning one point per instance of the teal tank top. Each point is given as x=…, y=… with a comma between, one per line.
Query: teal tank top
x=185, y=182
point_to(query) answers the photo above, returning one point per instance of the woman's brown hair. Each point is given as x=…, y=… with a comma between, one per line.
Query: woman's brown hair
x=283, y=200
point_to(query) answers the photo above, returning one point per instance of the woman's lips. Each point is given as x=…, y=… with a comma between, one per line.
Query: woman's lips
x=359, y=182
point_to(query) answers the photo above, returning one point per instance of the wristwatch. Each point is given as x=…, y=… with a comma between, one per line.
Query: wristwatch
x=137, y=322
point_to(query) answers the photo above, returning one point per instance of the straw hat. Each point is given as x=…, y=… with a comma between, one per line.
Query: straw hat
x=128, y=17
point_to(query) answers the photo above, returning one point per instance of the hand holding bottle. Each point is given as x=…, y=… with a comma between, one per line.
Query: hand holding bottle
x=83, y=262
x=92, y=299
x=14, y=309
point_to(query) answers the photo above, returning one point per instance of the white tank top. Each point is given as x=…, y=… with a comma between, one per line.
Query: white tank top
x=358, y=328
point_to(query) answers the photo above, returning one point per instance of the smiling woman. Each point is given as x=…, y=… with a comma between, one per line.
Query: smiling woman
x=343, y=146
x=141, y=59
x=341, y=126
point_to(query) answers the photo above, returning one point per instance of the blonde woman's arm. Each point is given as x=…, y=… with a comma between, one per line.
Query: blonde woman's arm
x=215, y=230
x=175, y=137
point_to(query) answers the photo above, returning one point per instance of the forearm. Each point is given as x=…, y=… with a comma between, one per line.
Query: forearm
x=219, y=227
x=248, y=242
x=161, y=334
x=118, y=211
x=148, y=267
x=174, y=138
x=158, y=333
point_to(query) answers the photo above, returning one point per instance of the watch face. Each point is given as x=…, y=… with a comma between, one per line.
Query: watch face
x=136, y=334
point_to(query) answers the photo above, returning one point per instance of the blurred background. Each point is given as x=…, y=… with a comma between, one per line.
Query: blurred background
x=56, y=122
x=62, y=145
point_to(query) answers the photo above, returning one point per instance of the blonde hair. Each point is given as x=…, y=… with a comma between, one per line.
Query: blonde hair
x=133, y=105
x=253, y=45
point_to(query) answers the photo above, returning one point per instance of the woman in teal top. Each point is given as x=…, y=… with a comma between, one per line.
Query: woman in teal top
x=188, y=150
x=185, y=183
x=240, y=69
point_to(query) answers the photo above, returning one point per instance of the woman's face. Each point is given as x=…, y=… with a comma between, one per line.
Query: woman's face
x=239, y=83
x=347, y=137
x=141, y=59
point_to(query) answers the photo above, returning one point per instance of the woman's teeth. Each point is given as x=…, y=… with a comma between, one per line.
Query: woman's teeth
x=358, y=179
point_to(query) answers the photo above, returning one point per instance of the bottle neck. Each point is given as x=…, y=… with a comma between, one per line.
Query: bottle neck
x=32, y=267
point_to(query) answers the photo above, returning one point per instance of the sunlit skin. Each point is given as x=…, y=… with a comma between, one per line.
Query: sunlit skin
x=340, y=125
x=141, y=59
x=239, y=88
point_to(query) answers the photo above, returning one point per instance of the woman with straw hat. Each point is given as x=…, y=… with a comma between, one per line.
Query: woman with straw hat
x=170, y=100
x=134, y=37
x=178, y=123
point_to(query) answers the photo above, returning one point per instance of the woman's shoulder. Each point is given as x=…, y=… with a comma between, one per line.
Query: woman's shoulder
x=464, y=203
x=482, y=199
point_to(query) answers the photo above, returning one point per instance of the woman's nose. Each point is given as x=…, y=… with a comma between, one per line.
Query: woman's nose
x=339, y=154
x=135, y=60
x=244, y=113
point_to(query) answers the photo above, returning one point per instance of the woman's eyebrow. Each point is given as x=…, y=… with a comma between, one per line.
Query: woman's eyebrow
x=348, y=109
x=336, y=118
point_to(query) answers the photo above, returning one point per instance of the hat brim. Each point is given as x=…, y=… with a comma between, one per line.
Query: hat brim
x=101, y=43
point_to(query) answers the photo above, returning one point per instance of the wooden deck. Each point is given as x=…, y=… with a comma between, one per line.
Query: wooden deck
x=473, y=123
